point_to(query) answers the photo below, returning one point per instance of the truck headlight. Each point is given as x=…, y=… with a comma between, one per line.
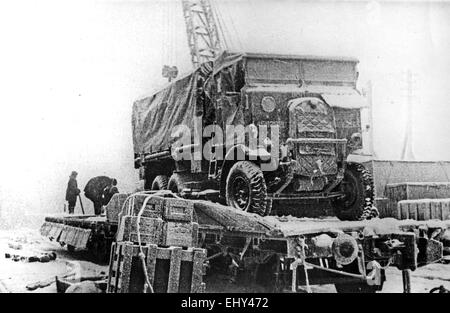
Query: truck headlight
x=268, y=104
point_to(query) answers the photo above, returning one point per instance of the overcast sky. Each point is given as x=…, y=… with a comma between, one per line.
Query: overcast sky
x=70, y=70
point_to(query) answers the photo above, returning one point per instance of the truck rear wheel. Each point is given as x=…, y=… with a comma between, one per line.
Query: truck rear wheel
x=358, y=191
x=246, y=188
x=176, y=183
x=160, y=182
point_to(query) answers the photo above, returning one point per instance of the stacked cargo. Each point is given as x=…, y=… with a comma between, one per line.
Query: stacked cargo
x=156, y=247
x=420, y=201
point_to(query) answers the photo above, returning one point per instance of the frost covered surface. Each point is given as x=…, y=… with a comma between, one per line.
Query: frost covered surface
x=426, y=184
x=15, y=276
x=425, y=200
x=291, y=226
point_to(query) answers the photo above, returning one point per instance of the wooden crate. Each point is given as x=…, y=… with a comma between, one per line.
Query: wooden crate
x=178, y=210
x=424, y=209
x=159, y=232
x=170, y=209
x=154, y=207
x=151, y=230
x=170, y=270
x=179, y=234
x=114, y=207
x=415, y=191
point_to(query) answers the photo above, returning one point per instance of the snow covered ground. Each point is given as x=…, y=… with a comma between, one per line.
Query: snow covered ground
x=16, y=275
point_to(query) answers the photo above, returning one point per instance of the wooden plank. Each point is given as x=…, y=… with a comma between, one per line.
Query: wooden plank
x=174, y=272
x=86, y=234
x=62, y=237
x=412, y=211
x=194, y=234
x=197, y=270
x=71, y=235
x=44, y=229
x=112, y=273
x=423, y=211
x=77, y=237
x=401, y=210
x=435, y=210
x=118, y=268
x=56, y=231
x=445, y=206
x=151, y=261
x=125, y=272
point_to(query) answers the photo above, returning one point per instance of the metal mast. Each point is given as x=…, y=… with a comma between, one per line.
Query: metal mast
x=407, y=151
x=201, y=28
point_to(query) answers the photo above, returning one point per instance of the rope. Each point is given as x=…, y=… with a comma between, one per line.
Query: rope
x=141, y=251
x=236, y=33
x=219, y=24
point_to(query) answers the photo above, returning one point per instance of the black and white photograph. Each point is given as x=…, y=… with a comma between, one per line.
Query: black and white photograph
x=225, y=150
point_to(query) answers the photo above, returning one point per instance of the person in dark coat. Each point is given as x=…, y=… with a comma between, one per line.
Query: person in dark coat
x=72, y=191
x=109, y=191
x=94, y=191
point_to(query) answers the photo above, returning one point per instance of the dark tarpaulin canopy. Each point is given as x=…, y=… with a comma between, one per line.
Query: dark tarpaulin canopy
x=155, y=117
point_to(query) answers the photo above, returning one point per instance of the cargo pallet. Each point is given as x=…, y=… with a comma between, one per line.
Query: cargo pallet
x=170, y=270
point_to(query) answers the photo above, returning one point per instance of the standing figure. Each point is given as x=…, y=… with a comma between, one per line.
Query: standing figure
x=72, y=191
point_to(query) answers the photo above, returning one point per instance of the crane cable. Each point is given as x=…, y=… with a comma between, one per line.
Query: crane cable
x=234, y=29
x=220, y=27
x=223, y=26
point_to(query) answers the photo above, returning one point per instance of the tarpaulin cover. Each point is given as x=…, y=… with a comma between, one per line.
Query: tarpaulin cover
x=155, y=117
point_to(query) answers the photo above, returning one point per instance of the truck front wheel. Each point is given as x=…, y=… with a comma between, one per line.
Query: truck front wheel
x=246, y=188
x=358, y=194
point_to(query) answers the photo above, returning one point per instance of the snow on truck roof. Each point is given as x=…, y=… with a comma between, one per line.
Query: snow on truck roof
x=299, y=57
x=228, y=58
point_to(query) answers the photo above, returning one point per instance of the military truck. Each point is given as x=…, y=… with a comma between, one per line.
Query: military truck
x=310, y=103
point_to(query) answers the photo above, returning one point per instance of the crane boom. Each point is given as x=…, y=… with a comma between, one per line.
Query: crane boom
x=201, y=28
